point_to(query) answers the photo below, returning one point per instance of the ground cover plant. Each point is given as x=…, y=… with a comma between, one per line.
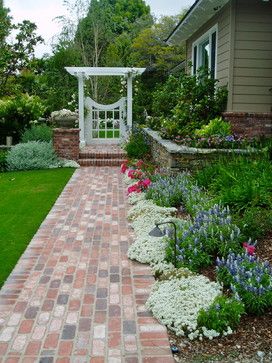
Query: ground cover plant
x=25, y=199
x=205, y=230
x=32, y=155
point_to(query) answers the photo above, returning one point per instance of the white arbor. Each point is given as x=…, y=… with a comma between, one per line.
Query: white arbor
x=83, y=73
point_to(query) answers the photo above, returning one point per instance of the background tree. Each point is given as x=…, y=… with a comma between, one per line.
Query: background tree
x=17, y=55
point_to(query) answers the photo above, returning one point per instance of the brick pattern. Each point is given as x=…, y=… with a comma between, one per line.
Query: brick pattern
x=66, y=143
x=74, y=296
x=250, y=124
x=102, y=155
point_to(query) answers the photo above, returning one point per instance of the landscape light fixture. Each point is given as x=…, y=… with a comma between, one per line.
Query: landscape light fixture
x=157, y=232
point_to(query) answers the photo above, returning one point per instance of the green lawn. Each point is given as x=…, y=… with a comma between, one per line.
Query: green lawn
x=26, y=197
x=110, y=134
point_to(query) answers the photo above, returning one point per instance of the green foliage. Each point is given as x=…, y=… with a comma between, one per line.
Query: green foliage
x=37, y=133
x=239, y=183
x=224, y=313
x=3, y=160
x=127, y=12
x=150, y=49
x=166, y=97
x=26, y=197
x=137, y=146
x=32, y=155
x=216, y=127
x=249, y=279
x=193, y=102
x=15, y=56
x=56, y=85
x=17, y=112
x=255, y=222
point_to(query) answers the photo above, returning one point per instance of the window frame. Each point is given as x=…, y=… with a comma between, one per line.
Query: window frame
x=195, y=58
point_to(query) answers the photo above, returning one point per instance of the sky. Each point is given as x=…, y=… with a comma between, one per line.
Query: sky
x=43, y=13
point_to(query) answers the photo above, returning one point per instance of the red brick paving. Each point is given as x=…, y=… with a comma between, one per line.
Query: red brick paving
x=74, y=296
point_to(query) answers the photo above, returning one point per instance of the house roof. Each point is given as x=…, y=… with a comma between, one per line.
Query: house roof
x=198, y=15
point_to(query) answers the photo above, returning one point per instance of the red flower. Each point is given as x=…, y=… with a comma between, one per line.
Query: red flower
x=134, y=189
x=124, y=168
x=146, y=182
x=249, y=248
x=135, y=174
x=139, y=164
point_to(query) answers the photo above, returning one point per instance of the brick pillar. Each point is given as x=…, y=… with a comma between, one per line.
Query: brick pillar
x=66, y=143
x=250, y=124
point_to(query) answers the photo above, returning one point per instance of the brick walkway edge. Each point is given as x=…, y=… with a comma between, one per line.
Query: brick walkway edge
x=74, y=296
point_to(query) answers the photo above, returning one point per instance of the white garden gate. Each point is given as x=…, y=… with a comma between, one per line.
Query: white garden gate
x=104, y=123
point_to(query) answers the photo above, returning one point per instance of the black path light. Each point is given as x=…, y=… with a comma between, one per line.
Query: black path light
x=157, y=232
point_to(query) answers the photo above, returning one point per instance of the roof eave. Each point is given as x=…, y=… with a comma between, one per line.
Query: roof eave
x=198, y=15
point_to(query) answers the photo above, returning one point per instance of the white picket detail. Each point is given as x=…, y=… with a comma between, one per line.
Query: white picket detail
x=104, y=123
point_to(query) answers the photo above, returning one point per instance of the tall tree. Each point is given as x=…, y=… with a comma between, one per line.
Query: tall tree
x=15, y=56
x=150, y=50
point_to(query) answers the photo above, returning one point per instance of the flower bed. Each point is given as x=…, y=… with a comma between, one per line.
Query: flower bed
x=171, y=155
x=188, y=303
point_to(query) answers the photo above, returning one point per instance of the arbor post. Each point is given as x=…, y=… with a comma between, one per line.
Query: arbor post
x=129, y=99
x=81, y=108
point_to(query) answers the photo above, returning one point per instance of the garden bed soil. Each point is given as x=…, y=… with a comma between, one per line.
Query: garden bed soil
x=251, y=342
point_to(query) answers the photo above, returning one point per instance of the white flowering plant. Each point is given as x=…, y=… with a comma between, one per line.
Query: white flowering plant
x=63, y=113
x=177, y=302
x=148, y=249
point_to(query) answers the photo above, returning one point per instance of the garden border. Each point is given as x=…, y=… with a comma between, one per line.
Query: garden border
x=168, y=154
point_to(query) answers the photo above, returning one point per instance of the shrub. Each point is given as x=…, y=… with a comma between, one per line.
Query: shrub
x=194, y=100
x=32, y=155
x=137, y=146
x=3, y=161
x=37, y=133
x=166, y=97
x=240, y=183
x=255, y=222
x=17, y=112
x=216, y=127
x=224, y=314
x=249, y=278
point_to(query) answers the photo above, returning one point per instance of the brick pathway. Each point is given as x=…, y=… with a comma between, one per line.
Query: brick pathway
x=74, y=296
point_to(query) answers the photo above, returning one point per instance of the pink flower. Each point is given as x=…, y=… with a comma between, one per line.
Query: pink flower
x=135, y=174
x=249, y=248
x=146, y=182
x=139, y=164
x=124, y=168
x=130, y=173
x=135, y=188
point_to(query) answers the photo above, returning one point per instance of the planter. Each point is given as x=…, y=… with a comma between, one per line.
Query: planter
x=66, y=122
x=183, y=158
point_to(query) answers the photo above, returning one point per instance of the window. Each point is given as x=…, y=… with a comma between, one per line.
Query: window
x=204, y=52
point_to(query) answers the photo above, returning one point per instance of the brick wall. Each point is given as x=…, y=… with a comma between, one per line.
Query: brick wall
x=250, y=124
x=66, y=143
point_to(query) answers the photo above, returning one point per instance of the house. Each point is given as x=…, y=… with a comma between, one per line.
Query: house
x=233, y=39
